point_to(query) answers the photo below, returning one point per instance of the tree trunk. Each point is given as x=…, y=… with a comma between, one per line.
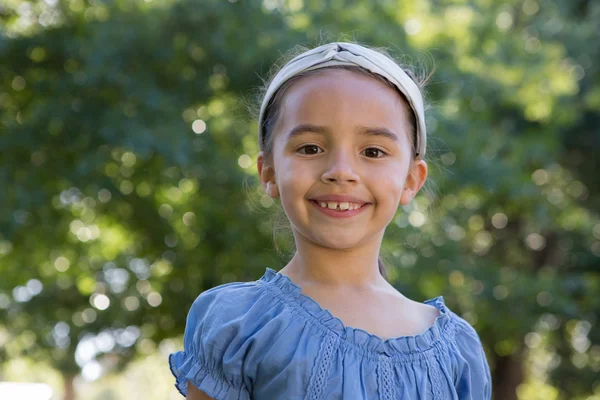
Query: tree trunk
x=68, y=387
x=507, y=375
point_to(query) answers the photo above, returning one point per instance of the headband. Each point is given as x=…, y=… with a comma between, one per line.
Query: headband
x=340, y=53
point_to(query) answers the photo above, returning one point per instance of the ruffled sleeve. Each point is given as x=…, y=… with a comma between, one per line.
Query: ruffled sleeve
x=474, y=380
x=210, y=359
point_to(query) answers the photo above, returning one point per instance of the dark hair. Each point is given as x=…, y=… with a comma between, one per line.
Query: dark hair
x=273, y=109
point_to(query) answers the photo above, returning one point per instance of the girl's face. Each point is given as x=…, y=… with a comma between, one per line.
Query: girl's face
x=341, y=133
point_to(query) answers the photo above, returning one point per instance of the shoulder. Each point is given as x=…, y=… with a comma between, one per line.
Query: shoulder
x=428, y=314
x=224, y=308
x=465, y=333
x=465, y=336
x=234, y=297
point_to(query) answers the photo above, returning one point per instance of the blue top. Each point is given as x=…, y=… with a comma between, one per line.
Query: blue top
x=266, y=340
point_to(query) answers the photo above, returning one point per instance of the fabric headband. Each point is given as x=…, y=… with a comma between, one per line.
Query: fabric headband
x=339, y=53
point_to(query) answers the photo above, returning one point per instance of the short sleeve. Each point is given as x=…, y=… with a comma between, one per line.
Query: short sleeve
x=209, y=360
x=474, y=379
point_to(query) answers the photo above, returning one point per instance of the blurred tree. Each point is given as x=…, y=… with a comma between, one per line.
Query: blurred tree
x=124, y=150
x=122, y=166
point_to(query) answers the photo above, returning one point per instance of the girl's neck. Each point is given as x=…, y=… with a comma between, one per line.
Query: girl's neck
x=355, y=269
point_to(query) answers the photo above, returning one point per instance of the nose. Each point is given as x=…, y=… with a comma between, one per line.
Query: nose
x=340, y=169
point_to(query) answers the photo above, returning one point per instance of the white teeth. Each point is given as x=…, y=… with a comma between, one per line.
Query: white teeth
x=343, y=206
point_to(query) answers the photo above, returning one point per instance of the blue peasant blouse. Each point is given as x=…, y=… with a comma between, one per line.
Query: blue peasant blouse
x=266, y=340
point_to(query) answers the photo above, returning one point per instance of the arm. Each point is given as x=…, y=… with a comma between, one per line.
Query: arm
x=194, y=393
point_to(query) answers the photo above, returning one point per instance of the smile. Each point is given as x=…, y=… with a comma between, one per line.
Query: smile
x=343, y=205
x=340, y=209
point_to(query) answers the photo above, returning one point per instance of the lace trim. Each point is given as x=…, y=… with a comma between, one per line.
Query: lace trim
x=384, y=375
x=320, y=372
x=433, y=366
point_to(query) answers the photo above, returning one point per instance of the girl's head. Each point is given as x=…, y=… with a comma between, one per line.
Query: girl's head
x=342, y=120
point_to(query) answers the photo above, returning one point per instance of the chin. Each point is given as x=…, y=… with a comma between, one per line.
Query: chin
x=337, y=243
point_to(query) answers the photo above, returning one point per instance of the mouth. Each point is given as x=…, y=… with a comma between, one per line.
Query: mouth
x=339, y=205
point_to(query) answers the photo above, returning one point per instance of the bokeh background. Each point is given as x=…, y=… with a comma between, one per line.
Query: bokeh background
x=128, y=180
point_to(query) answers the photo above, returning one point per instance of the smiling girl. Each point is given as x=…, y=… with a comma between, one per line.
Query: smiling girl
x=342, y=138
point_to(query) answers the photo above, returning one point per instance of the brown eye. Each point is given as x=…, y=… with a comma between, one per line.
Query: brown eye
x=310, y=149
x=373, y=151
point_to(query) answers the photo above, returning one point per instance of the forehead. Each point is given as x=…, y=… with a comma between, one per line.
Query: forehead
x=343, y=97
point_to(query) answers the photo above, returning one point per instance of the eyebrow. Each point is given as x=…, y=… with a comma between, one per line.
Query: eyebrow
x=368, y=131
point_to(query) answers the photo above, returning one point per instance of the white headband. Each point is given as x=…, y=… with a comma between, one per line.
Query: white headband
x=339, y=53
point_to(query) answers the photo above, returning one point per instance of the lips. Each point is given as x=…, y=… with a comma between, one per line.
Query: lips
x=341, y=210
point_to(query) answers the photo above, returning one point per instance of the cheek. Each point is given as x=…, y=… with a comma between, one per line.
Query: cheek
x=295, y=178
x=388, y=183
x=292, y=177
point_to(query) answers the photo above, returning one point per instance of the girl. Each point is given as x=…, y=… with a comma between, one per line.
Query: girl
x=342, y=139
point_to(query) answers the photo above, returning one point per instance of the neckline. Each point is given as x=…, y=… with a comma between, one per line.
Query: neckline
x=419, y=343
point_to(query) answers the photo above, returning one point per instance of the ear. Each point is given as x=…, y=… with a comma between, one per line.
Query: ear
x=266, y=174
x=414, y=181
